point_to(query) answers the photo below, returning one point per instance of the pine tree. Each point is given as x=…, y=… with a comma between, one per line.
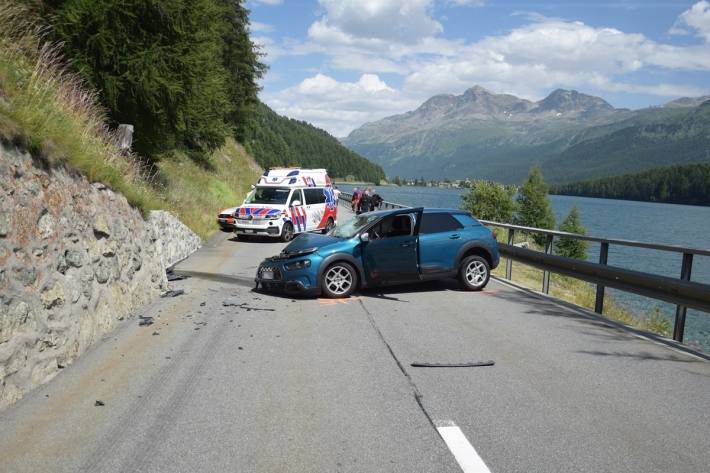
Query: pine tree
x=241, y=61
x=534, y=208
x=570, y=247
x=490, y=201
x=156, y=65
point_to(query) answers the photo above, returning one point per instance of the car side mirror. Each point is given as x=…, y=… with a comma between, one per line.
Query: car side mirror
x=364, y=237
x=295, y=203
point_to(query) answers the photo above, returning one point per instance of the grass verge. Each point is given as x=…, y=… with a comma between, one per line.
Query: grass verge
x=583, y=294
x=48, y=111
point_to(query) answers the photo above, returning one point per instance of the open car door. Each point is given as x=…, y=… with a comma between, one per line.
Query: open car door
x=391, y=254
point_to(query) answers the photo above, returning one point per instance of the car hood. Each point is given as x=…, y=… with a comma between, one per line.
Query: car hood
x=257, y=210
x=229, y=211
x=306, y=241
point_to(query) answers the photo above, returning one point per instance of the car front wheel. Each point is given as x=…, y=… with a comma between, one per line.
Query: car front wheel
x=474, y=273
x=287, y=232
x=329, y=225
x=338, y=280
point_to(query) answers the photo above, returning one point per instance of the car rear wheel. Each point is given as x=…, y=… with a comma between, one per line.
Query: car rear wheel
x=287, y=232
x=338, y=280
x=474, y=273
x=329, y=225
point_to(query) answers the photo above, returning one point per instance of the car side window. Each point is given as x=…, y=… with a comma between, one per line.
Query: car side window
x=314, y=196
x=392, y=226
x=439, y=222
x=296, y=195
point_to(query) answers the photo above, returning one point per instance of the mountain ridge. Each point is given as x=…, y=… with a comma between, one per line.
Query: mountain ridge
x=480, y=133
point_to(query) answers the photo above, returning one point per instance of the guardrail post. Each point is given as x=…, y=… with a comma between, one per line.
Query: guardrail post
x=509, y=261
x=546, y=274
x=681, y=310
x=603, y=256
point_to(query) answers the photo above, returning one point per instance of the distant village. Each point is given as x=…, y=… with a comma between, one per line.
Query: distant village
x=445, y=183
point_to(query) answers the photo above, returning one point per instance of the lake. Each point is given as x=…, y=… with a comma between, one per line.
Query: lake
x=643, y=221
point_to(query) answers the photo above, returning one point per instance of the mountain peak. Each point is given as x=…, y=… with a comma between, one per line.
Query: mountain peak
x=561, y=101
x=476, y=91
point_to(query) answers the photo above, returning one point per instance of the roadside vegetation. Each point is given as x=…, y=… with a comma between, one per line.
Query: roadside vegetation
x=49, y=111
x=184, y=73
x=531, y=208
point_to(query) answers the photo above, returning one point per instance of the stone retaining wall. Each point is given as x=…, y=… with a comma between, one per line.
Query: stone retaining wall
x=75, y=258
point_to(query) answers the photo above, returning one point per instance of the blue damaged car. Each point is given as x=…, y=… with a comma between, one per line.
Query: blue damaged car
x=385, y=248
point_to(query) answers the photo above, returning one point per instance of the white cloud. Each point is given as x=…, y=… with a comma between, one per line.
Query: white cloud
x=694, y=20
x=467, y=3
x=339, y=107
x=548, y=53
x=390, y=20
x=528, y=61
x=258, y=27
x=269, y=2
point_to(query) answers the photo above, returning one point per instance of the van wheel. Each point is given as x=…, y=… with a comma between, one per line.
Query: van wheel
x=338, y=280
x=474, y=273
x=287, y=232
x=329, y=226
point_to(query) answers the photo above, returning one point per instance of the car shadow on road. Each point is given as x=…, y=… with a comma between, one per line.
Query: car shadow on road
x=254, y=239
x=595, y=325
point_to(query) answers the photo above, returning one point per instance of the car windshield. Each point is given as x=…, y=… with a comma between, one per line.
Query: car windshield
x=269, y=195
x=353, y=226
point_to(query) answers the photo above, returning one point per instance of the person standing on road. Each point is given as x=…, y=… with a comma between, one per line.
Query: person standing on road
x=356, y=199
x=375, y=200
x=365, y=202
x=336, y=194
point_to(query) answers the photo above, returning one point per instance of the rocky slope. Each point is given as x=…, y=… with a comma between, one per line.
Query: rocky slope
x=481, y=134
x=74, y=259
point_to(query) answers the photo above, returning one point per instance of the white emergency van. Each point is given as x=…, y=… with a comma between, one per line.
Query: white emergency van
x=285, y=202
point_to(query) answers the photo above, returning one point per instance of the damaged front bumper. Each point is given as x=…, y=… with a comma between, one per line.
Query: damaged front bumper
x=272, y=276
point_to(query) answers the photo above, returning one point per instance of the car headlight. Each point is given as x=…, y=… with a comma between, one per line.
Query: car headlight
x=302, y=264
x=273, y=217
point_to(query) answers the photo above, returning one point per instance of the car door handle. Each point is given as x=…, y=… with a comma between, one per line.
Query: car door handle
x=455, y=236
x=407, y=244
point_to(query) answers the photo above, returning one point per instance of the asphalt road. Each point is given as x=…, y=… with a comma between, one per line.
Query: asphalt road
x=228, y=379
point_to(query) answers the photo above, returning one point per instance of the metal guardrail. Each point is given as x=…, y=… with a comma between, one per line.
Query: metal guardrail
x=682, y=291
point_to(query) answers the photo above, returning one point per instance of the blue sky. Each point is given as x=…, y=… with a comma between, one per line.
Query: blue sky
x=341, y=63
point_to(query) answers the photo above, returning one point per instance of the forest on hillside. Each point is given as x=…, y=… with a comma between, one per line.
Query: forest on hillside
x=279, y=141
x=686, y=184
x=186, y=74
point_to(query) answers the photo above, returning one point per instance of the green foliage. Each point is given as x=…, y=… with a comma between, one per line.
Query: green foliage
x=274, y=140
x=570, y=247
x=490, y=201
x=241, y=60
x=688, y=184
x=534, y=208
x=183, y=72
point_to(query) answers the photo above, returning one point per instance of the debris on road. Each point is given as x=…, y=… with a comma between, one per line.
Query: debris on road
x=99, y=403
x=173, y=293
x=453, y=365
x=243, y=305
x=145, y=321
x=156, y=333
x=202, y=304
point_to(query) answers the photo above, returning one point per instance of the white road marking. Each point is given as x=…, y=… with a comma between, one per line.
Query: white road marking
x=466, y=456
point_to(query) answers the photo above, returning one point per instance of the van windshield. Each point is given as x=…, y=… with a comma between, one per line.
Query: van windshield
x=269, y=195
x=353, y=226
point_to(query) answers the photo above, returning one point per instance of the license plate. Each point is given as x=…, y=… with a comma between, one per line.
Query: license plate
x=267, y=275
x=251, y=231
